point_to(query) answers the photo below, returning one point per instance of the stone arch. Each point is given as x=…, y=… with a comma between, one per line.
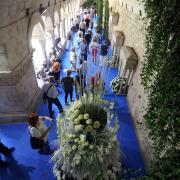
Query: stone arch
x=34, y=19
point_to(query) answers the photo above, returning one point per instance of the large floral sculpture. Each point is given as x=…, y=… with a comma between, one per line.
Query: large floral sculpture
x=88, y=148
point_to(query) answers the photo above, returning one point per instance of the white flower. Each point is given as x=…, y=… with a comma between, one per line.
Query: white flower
x=74, y=136
x=109, y=172
x=78, y=127
x=91, y=147
x=80, y=117
x=83, y=137
x=74, y=147
x=76, y=121
x=86, y=116
x=76, y=140
x=77, y=162
x=89, y=121
x=114, y=169
x=96, y=124
x=76, y=113
x=86, y=144
x=88, y=128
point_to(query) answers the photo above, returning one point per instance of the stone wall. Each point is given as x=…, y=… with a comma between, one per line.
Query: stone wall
x=131, y=24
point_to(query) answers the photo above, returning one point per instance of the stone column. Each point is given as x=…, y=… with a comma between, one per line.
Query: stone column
x=43, y=46
x=58, y=28
x=61, y=30
x=51, y=32
x=64, y=28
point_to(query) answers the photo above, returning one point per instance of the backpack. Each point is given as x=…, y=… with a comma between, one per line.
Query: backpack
x=45, y=93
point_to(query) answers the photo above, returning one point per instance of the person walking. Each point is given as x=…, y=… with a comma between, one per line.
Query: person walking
x=69, y=39
x=79, y=83
x=73, y=58
x=94, y=46
x=52, y=96
x=103, y=53
x=56, y=70
x=83, y=50
x=88, y=37
x=39, y=133
x=57, y=42
x=82, y=27
x=68, y=83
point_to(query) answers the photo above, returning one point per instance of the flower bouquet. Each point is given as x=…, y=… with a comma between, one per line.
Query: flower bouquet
x=117, y=83
x=88, y=148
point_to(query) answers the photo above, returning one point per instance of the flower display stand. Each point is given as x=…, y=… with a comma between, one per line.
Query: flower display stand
x=88, y=148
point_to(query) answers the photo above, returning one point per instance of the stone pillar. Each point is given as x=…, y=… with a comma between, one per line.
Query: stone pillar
x=43, y=46
x=61, y=30
x=58, y=28
x=51, y=32
x=64, y=28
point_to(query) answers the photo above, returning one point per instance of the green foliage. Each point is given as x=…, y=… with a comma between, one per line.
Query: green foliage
x=106, y=20
x=87, y=4
x=160, y=75
x=99, y=7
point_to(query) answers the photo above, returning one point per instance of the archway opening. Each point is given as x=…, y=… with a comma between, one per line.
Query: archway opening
x=39, y=54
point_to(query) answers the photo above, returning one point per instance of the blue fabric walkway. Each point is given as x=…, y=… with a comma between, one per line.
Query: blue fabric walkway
x=27, y=164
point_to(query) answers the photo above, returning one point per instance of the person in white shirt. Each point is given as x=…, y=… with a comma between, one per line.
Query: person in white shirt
x=52, y=96
x=39, y=132
x=73, y=58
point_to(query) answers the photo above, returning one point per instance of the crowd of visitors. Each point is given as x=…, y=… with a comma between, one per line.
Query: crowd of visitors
x=87, y=43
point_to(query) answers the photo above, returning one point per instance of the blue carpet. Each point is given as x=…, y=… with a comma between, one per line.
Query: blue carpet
x=27, y=164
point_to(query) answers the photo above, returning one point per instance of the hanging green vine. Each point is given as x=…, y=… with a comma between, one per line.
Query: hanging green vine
x=161, y=75
x=106, y=20
x=99, y=7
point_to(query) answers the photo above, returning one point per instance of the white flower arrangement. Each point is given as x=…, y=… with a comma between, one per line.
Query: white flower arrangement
x=87, y=146
x=116, y=83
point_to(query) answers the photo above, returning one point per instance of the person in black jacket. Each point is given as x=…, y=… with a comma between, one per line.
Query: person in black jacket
x=6, y=152
x=88, y=37
x=68, y=82
x=80, y=84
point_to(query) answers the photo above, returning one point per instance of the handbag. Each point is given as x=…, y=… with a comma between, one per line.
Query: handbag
x=36, y=143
